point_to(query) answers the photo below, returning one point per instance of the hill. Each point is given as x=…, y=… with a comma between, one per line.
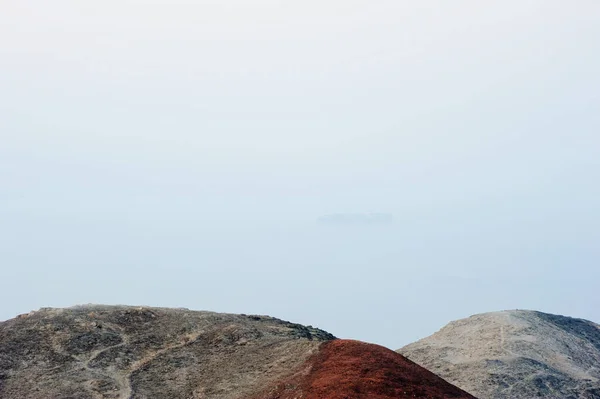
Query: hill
x=515, y=354
x=121, y=352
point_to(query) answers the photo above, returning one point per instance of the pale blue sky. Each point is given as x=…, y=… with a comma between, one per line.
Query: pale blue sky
x=178, y=153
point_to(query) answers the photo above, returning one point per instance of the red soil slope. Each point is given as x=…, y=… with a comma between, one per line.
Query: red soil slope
x=345, y=369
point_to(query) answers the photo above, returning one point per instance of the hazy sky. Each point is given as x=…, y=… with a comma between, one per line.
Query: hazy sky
x=178, y=153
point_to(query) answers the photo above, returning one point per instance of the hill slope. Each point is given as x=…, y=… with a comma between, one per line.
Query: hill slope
x=138, y=352
x=515, y=354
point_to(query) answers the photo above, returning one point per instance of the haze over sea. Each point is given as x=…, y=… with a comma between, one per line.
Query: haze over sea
x=179, y=153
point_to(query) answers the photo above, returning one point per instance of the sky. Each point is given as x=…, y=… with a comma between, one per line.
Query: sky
x=178, y=153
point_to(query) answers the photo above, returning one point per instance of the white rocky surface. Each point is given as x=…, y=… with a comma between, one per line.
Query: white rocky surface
x=515, y=354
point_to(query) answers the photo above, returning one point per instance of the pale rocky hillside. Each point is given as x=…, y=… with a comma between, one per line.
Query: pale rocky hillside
x=515, y=354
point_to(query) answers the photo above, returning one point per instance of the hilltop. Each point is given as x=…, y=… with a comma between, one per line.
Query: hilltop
x=515, y=354
x=123, y=352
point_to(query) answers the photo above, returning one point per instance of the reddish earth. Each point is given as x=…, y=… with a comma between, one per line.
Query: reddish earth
x=346, y=369
x=116, y=352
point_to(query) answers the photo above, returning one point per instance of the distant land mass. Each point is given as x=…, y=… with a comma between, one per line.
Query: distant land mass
x=356, y=219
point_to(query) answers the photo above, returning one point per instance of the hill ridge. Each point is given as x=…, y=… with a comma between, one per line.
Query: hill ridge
x=136, y=352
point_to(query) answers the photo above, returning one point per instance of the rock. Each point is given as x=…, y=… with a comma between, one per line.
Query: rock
x=515, y=354
x=125, y=352
x=132, y=352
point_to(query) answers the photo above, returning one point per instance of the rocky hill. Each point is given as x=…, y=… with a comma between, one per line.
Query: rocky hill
x=515, y=354
x=138, y=352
